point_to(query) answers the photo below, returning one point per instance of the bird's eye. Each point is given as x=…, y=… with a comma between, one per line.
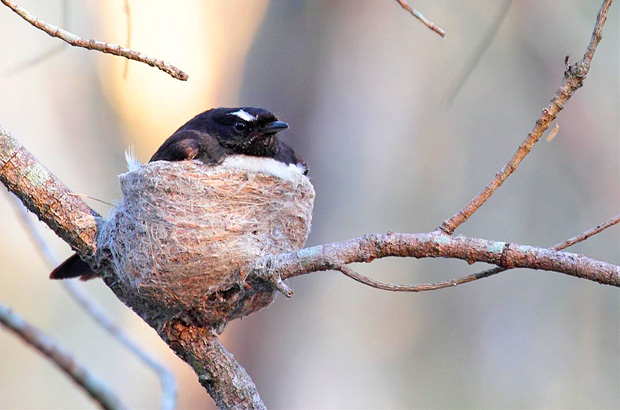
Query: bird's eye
x=240, y=126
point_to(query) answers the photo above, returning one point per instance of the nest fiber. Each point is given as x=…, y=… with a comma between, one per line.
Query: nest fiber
x=181, y=242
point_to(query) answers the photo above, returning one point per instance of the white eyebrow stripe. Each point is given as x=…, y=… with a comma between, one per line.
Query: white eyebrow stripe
x=244, y=115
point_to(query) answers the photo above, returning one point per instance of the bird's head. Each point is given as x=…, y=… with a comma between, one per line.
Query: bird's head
x=244, y=130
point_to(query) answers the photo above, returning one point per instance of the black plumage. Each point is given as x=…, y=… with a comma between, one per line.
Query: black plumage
x=217, y=133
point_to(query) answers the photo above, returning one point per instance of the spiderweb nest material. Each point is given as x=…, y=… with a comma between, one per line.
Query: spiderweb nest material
x=181, y=242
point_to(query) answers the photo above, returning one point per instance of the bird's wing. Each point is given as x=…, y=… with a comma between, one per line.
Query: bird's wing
x=180, y=146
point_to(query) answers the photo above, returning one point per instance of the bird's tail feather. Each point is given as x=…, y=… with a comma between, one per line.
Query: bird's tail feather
x=72, y=268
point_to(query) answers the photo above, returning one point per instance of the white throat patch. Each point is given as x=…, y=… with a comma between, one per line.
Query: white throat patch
x=245, y=116
x=263, y=165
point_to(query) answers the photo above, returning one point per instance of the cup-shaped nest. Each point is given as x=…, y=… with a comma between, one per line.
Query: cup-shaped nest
x=182, y=240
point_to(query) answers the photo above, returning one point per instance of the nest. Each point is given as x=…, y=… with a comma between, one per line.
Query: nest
x=182, y=240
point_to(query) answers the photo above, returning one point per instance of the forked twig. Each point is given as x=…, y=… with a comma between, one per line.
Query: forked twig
x=101, y=46
x=419, y=16
x=425, y=287
x=61, y=358
x=128, y=41
x=573, y=80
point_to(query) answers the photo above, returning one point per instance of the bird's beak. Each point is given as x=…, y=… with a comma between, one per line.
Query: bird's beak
x=273, y=127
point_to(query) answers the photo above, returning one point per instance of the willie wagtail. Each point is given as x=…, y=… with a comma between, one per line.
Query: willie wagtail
x=242, y=138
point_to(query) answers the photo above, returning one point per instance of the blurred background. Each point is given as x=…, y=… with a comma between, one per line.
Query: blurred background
x=366, y=89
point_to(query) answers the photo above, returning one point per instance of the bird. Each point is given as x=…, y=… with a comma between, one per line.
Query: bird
x=243, y=138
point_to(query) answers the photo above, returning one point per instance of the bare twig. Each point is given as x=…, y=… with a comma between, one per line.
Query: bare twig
x=128, y=41
x=419, y=16
x=167, y=380
x=46, y=345
x=477, y=56
x=558, y=247
x=424, y=287
x=587, y=234
x=573, y=80
x=101, y=46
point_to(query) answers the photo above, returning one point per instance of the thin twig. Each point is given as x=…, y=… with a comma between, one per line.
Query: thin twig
x=573, y=80
x=587, y=234
x=477, y=56
x=424, y=287
x=167, y=380
x=59, y=356
x=419, y=16
x=101, y=46
x=128, y=41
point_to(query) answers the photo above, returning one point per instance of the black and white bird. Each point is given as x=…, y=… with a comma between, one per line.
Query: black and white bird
x=241, y=138
x=244, y=138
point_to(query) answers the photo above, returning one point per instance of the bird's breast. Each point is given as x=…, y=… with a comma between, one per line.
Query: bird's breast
x=264, y=165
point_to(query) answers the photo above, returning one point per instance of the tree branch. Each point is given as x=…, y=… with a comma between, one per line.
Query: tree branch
x=44, y=344
x=438, y=244
x=47, y=197
x=469, y=278
x=101, y=46
x=419, y=16
x=226, y=381
x=573, y=80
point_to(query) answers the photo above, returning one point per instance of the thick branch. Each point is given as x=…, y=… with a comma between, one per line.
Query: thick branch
x=225, y=380
x=437, y=244
x=46, y=196
x=573, y=80
x=44, y=344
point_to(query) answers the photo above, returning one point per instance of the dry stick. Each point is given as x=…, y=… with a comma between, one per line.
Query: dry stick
x=469, y=278
x=573, y=80
x=46, y=345
x=477, y=56
x=167, y=381
x=128, y=42
x=101, y=46
x=419, y=16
